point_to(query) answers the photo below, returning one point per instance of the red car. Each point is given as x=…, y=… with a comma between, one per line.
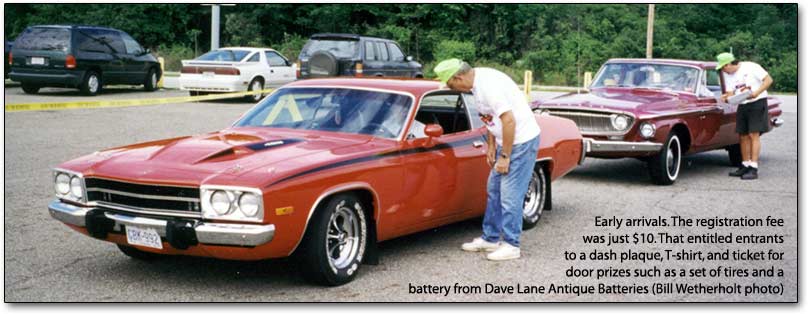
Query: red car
x=324, y=168
x=657, y=110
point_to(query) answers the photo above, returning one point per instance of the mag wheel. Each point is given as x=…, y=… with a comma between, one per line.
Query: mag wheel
x=534, y=199
x=664, y=167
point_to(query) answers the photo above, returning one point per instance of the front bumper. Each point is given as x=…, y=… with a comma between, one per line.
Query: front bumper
x=598, y=146
x=203, y=232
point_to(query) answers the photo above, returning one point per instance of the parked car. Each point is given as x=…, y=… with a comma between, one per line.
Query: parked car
x=83, y=57
x=322, y=169
x=657, y=110
x=236, y=69
x=6, y=51
x=327, y=55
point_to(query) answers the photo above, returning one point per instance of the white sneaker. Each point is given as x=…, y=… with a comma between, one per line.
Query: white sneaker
x=504, y=252
x=478, y=245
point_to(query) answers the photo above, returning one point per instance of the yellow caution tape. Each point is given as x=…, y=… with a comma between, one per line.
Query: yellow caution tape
x=124, y=102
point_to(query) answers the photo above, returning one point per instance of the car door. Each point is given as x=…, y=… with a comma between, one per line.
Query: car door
x=135, y=65
x=444, y=176
x=113, y=71
x=371, y=65
x=398, y=62
x=280, y=69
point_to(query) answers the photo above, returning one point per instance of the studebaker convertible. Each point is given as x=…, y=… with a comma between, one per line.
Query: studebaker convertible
x=657, y=110
x=322, y=169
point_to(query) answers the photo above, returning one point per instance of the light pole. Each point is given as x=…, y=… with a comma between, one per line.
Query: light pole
x=649, y=41
x=214, y=24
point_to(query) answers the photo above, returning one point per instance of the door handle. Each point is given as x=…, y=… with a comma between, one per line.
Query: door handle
x=271, y=71
x=702, y=117
x=477, y=144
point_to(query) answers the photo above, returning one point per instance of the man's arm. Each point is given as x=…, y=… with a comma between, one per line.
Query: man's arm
x=508, y=131
x=491, y=154
x=767, y=81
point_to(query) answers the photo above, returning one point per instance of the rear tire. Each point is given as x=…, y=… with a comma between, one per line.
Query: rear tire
x=138, y=254
x=255, y=84
x=92, y=84
x=30, y=89
x=336, y=241
x=150, y=84
x=734, y=152
x=193, y=93
x=535, y=198
x=664, y=167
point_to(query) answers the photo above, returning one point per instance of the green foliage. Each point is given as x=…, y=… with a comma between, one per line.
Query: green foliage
x=174, y=55
x=558, y=42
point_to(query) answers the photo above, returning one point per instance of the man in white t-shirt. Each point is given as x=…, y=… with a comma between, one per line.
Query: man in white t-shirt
x=752, y=117
x=513, y=143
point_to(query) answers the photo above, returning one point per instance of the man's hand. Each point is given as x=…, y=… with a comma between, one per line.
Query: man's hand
x=491, y=157
x=726, y=96
x=503, y=165
x=753, y=95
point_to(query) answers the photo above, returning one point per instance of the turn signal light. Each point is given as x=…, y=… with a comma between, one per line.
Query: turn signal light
x=70, y=62
x=297, y=72
x=359, y=69
x=10, y=58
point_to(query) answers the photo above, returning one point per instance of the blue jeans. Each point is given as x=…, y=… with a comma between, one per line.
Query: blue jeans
x=506, y=195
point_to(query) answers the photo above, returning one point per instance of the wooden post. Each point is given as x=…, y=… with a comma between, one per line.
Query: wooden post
x=587, y=79
x=162, y=71
x=528, y=83
x=649, y=36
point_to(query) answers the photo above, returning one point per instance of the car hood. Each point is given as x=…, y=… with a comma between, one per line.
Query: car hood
x=244, y=156
x=637, y=101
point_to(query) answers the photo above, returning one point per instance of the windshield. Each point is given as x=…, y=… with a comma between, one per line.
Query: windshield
x=339, y=48
x=44, y=38
x=343, y=110
x=224, y=55
x=645, y=75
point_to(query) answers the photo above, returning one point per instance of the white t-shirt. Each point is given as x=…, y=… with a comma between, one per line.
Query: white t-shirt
x=750, y=75
x=496, y=93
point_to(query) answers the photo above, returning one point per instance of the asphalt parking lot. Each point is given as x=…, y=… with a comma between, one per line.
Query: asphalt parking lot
x=46, y=261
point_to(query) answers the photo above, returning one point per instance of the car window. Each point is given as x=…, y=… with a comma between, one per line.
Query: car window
x=474, y=114
x=255, y=57
x=132, y=47
x=376, y=113
x=43, y=38
x=395, y=52
x=447, y=110
x=370, y=51
x=275, y=60
x=224, y=55
x=113, y=39
x=339, y=48
x=382, y=48
x=89, y=41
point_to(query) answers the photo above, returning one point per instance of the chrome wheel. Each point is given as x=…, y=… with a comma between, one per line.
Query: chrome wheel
x=342, y=240
x=533, y=197
x=673, y=158
x=256, y=86
x=92, y=84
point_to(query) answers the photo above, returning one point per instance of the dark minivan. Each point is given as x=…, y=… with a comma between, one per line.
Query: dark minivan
x=83, y=57
x=326, y=55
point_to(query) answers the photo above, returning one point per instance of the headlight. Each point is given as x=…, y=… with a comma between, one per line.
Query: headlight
x=62, y=184
x=76, y=189
x=620, y=121
x=220, y=202
x=248, y=203
x=647, y=130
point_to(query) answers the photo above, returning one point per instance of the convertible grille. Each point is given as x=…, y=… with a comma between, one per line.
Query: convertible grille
x=157, y=199
x=590, y=122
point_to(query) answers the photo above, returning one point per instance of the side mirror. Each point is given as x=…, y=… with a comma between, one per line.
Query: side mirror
x=145, y=51
x=409, y=58
x=433, y=130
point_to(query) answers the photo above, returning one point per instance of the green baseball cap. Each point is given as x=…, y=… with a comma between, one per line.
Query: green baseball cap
x=447, y=68
x=724, y=59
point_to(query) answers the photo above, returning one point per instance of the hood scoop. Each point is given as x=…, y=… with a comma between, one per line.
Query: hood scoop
x=272, y=144
x=234, y=151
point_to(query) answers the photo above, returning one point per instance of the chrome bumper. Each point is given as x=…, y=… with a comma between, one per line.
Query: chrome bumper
x=596, y=146
x=206, y=233
x=777, y=122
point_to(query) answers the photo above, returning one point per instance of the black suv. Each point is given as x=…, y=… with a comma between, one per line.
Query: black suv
x=83, y=57
x=326, y=55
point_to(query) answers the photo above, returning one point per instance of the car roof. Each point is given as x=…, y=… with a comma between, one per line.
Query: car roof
x=75, y=26
x=700, y=64
x=346, y=36
x=245, y=48
x=417, y=87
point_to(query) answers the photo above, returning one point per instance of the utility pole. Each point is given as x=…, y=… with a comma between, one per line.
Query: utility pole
x=214, y=24
x=649, y=41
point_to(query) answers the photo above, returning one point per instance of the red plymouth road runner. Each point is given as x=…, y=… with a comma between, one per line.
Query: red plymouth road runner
x=657, y=110
x=322, y=169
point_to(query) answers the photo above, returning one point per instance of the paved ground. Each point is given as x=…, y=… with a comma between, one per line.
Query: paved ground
x=46, y=261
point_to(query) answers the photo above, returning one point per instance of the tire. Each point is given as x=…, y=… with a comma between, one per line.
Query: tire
x=193, y=93
x=664, y=167
x=30, y=89
x=335, y=242
x=92, y=84
x=535, y=199
x=255, y=84
x=150, y=83
x=138, y=254
x=734, y=152
x=323, y=64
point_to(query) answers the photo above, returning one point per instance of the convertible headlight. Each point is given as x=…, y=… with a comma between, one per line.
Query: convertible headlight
x=620, y=121
x=232, y=203
x=62, y=184
x=647, y=130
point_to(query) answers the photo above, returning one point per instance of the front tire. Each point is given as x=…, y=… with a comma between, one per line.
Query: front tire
x=138, y=254
x=150, y=84
x=664, y=167
x=336, y=241
x=30, y=89
x=91, y=84
x=534, y=199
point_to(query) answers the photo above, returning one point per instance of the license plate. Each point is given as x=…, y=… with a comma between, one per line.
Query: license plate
x=209, y=74
x=145, y=237
x=37, y=60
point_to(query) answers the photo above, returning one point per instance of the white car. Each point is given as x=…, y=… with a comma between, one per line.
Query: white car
x=235, y=69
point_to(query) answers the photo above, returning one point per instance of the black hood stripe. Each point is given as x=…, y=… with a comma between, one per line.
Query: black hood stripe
x=417, y=150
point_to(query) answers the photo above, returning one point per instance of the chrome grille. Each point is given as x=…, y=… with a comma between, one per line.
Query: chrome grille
x=157, y=199
x=591, y=122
